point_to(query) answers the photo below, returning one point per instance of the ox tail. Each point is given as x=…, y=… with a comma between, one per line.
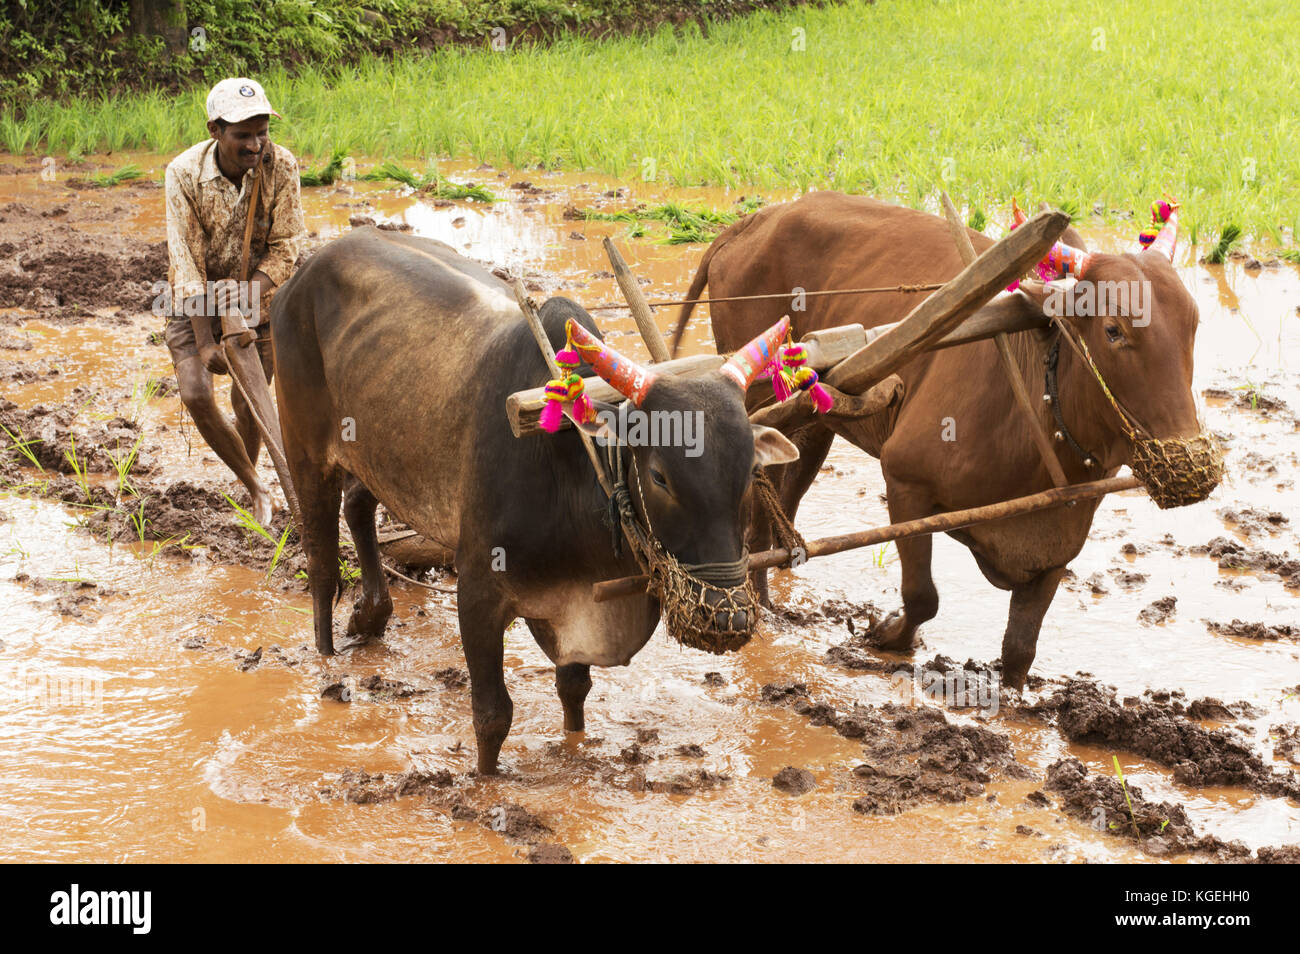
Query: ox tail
x=702, y=279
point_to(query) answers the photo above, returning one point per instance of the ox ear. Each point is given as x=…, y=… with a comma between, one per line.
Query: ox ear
x=772, y=447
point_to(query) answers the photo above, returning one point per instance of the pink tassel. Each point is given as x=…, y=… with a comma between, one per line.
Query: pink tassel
x=583, y=409
x=552, y=416
x=821, y=400
x=781, y=387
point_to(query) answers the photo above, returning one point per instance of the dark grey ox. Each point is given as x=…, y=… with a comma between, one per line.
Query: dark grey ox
x=955, y=438
x=394, y=359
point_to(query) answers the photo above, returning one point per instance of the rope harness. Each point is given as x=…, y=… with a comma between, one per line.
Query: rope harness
x=1174, y=472
x=708, y=606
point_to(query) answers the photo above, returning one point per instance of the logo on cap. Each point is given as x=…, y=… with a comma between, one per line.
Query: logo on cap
x=247, y=91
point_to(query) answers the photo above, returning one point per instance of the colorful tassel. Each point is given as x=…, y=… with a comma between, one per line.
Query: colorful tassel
x=568, y=389
x=1161, y=210
x=790, y=374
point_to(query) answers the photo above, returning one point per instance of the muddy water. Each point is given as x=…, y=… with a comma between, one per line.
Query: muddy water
x=118, y=743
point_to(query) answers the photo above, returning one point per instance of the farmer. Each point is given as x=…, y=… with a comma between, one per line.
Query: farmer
x=209, y=190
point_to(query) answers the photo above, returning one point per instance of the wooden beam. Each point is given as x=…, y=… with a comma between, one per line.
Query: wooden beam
x=938, y=523
x=1010, y=367
x=645, y=323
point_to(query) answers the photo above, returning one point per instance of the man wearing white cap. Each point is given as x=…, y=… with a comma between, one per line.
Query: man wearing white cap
x=209, y=190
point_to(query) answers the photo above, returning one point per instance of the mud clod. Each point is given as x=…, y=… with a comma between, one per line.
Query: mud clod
x=794, y=781
x=1159, y=611
x=550, y=855
x=1086, y=713
x=1261, y=631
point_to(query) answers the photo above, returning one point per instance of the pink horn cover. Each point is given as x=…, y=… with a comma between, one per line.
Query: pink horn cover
x=747, y=363
x=625, y=375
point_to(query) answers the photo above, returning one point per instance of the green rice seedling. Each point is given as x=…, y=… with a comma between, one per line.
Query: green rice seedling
x=348, y=572
x=395, y=172
x=279, y=549
x=73, y=577
x=1291, y=255
x=446, y=189
x=327, y=174
x=1229, y=238
x=248, y=521
x=637, y=230
x=122, y=464
x=1128, y=801
x=977, y=220
x=430, y=182
x=78, y=469
x=117, y=177
x=17, y=134
x=139, y=521
x=23, y=445
x=142, y=392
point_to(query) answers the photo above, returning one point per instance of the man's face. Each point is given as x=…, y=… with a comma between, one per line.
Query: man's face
x=242, y=144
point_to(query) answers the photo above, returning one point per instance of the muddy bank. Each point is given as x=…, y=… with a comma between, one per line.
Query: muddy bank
x=1157, y=729
x=71, y=454
x=911, y=756
x=453, y=796
x=1120, y=809
x=50, y=265
x=1232, y=555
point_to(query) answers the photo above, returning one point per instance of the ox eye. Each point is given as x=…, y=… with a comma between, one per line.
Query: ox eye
x=1113, y=333
x=658, y=478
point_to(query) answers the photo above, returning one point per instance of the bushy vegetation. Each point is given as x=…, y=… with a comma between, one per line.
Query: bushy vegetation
x=1093, y=108
x=64, y=48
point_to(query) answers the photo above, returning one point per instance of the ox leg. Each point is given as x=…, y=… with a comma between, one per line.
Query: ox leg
x=920, y=598
x=318, y=495
x=372, y=608
x=483, y=619
x=573, y=682
x=1029, y=603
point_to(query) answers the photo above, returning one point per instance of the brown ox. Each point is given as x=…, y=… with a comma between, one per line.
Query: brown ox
x=954, y=438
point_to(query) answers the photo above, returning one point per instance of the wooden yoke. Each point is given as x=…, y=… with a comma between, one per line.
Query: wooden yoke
x=1009, y=365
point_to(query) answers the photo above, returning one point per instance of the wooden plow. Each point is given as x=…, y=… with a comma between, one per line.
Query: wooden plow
x=852, y=360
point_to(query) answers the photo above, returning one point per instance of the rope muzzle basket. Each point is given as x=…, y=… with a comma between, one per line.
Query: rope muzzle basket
x=707, y=606
x=1178, y=471
x=1174, y=471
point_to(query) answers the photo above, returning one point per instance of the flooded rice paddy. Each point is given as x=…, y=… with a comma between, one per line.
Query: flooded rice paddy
x=159, y=699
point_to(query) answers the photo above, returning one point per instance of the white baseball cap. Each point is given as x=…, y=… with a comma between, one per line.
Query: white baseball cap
x=237, y=99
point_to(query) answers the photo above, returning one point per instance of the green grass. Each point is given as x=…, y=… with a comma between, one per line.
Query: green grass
x=1079, y=105
x=685, y=223
x=430, y=182
x=1229, y=238
x=326, y=174
x=118, y=176
x=23, y=445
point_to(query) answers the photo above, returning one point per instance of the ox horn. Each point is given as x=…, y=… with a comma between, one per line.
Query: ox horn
x=623, y=374
x=747, y=363
x=1062, y=260
x=1162, y=234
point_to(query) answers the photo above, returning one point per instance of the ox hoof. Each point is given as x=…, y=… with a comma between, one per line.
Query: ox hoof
x=894, y=634
x=367, y=624
x=1014, y=678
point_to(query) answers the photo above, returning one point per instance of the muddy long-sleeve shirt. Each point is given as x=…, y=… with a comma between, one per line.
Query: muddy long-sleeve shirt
x=206, y=216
